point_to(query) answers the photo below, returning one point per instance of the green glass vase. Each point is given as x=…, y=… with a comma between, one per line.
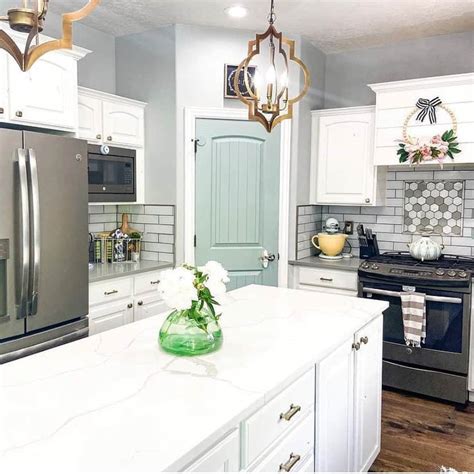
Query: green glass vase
x=192, y=334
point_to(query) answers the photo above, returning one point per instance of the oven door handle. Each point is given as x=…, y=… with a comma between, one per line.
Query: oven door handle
x=397, y=294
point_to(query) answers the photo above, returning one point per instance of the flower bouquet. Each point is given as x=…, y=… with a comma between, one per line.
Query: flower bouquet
x=419, y=150
x=193, y=327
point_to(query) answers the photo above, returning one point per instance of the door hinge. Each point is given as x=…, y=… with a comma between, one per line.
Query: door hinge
x=195, y=240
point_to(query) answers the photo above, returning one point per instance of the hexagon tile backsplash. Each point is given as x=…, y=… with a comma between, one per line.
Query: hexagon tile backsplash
x=434, y=204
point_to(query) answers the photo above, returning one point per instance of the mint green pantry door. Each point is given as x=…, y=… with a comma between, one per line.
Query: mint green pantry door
x=237, y=199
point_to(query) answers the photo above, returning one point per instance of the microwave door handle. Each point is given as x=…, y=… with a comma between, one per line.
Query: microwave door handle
x=36, y=237
x=397, y=294
x=24, y=230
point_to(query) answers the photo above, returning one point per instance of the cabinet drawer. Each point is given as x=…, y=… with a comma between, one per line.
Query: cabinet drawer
x=294, y=452
x=147, y=282
x=328, y=278
x=109, y=290
x=279, y=415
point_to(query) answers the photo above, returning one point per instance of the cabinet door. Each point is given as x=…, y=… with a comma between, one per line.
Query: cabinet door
x=368, y=395
x=123, y=124
x=3, y=86
x=149, y=305
x=222, y=458
x=345, y=171
x=110, y=316
x=90, y=119
x=46, y=95
x=334, y=411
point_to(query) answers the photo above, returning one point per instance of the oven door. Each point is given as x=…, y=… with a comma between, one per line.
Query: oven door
x=447, y=328
x=111, y=175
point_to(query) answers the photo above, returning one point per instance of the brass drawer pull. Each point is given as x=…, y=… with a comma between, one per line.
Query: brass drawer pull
x=294, y=409
x=157, y=282
x=108, y=293
x=364, y=340
x=326, y=279
x=290, y=464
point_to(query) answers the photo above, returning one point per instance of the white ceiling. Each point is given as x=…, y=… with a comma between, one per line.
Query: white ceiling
x=332, y=25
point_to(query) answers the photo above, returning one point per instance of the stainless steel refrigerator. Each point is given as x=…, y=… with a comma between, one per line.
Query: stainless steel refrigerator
x=43, y=242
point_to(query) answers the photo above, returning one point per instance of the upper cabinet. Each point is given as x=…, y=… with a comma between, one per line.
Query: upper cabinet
x=46, y=95
x=342, y=160
x=109, y=119
x=396, y=100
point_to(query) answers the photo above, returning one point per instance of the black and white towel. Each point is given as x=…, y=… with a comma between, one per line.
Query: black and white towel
x=414, y=318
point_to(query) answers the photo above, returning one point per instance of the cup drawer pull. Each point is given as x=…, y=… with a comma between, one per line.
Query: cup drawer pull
x=290, y=464
x=326, y=279
x=108, y=293
x=294, y=409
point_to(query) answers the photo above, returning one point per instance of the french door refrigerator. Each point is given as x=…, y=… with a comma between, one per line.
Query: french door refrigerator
x=43, y=242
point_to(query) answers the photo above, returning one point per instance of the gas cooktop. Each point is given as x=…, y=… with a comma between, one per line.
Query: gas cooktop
x=400, y=264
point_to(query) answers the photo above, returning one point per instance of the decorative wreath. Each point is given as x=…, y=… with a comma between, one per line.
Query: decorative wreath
x=418, y=150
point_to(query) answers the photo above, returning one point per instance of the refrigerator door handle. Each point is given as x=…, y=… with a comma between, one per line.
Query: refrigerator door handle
x=24, y=264
x=36, y=237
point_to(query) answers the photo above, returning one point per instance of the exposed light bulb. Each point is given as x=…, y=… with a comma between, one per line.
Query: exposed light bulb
x=270, y=76
x=258, y=82
x=284, y=79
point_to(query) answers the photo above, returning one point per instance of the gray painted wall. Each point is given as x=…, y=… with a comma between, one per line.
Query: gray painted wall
x=97, y=69
x=146, y=70
x=348, y=73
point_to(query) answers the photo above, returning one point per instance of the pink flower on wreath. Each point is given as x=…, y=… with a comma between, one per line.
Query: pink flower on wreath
x=437, y=139
x=426, y=152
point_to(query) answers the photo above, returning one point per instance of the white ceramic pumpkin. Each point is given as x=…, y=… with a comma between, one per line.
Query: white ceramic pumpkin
x=425, y=248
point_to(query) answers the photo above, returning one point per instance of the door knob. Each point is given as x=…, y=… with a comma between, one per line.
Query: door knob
x=266, y=258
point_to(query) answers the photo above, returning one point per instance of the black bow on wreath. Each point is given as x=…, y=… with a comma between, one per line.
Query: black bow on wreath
x=428, y=107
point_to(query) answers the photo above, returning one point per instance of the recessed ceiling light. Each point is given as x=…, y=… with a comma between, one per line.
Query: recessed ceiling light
x=236, y=11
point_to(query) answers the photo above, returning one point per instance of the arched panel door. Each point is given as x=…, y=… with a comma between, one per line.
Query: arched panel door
x=237, y=199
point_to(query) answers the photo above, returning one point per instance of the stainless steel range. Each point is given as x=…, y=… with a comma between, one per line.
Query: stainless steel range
x=439, y=368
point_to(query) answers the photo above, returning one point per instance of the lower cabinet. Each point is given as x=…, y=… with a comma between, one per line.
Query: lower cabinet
x=348, y=403
x=113, y=303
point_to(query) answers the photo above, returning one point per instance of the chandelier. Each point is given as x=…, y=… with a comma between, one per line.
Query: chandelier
x=29, y=18
x=267, y=96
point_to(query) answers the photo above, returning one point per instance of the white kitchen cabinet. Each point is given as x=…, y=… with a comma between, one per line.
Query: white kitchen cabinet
x=110, y=316
x=342, y=159
x=120, y=301
x=325, y=279
x=90, y=118
x=123, y=123
x=110, y=119
x=368, y=395
x=3, y=86
x=224, y=457
x=348, y=403
x=334, y=411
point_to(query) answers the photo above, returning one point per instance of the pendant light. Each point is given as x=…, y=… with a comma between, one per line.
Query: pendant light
x=29, y=18
x=267, y=95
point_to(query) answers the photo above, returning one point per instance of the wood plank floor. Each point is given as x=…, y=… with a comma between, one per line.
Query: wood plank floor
x=419, y=434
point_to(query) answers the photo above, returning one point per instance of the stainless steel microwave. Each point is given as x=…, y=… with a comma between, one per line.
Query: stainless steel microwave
x=112, y=174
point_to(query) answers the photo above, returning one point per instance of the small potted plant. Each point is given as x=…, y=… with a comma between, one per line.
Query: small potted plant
x=193, y=327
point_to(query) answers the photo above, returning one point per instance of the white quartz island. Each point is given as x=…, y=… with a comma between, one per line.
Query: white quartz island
x=116, y=403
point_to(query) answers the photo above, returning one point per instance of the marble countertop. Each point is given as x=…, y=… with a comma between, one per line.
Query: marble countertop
x=107, y=271
x=348, y=264
x=116, y=402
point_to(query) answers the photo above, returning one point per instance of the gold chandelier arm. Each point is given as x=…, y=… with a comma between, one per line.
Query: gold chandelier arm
x=11, y=48
x=307, y=76
x=66, y=41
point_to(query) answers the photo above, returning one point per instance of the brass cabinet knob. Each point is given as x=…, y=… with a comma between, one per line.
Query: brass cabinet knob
x=130, y=306
x=109, y=138
x=19, y=113
x=2, y=110
x=367, y=200
x=140, y=303
x=356, y=346
x=364, y=340
x=98, y=136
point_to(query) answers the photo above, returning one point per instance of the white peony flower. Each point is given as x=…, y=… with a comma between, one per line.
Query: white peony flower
x=177, y=288
x=217, y=277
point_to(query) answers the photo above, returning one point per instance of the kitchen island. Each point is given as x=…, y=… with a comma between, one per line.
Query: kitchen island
x=116, y=402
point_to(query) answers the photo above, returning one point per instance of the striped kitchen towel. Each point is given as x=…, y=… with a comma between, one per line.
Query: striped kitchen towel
x=414, y=318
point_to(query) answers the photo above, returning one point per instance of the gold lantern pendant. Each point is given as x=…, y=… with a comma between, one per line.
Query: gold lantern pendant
x=30, y=19
x=268, y=98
